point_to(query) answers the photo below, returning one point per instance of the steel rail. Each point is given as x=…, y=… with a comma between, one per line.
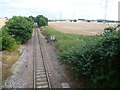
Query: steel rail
x=37, y=35
x=45, y=68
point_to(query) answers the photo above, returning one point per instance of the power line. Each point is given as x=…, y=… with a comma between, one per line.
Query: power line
x=106, y=7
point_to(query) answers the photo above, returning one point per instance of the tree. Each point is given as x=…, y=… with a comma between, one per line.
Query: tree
x=6, y=41
x=41, y=20
x=20, y=28
x=33, y=18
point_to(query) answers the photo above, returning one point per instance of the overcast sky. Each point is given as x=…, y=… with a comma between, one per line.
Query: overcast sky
x=60, y=9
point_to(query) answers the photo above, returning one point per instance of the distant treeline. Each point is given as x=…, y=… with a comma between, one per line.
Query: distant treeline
x=98, y=20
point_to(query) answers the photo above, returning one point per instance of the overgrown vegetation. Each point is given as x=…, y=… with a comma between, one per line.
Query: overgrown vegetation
x=40, y=20
x=8, y=59
x=63, y=41
x=7, y=41
x=20, y=28
x=96, y=57
x=17, y=30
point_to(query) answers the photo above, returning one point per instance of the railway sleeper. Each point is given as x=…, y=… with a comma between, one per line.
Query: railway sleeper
x=40, y=73
x=41, y=80
x=40, y=68
x=41, y=83
x=45, y=86
x=41, y=76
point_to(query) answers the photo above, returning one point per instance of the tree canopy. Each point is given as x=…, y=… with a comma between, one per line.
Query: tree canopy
x=20, y=28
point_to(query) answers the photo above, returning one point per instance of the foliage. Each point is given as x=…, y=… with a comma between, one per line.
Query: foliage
x=20, y=28
x=33, y=18
x=96, y=57
x=110, y=29
x=7, y=41
x=41, y=20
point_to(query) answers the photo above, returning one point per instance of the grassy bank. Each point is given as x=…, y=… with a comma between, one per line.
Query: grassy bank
x=63, y=41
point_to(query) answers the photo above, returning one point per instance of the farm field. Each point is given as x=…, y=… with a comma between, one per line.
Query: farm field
x=82, y=28
x=2, y=22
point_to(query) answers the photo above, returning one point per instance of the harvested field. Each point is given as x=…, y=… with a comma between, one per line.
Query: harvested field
x=83, y=28
x=2, y=22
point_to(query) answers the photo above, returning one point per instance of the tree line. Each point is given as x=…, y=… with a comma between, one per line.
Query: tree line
x=40, y=20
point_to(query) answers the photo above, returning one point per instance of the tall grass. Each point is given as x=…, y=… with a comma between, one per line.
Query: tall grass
x=63, y=41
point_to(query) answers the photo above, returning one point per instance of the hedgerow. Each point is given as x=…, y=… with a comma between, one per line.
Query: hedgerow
x=98, y=59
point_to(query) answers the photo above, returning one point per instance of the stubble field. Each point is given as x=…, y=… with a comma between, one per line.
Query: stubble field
x=82, y=28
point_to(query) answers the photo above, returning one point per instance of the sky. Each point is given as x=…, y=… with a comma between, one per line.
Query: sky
x=61, y=9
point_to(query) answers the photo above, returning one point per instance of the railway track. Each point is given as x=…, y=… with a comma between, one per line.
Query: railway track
x=41, y=70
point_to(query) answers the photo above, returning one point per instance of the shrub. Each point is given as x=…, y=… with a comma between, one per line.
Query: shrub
x=20, y=28
x=110, y=29
x=41, y=20
x=7, y=41
x=97, y=58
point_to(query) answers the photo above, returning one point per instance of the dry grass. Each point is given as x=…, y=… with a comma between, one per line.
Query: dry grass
x=82, y=28
x=8, y=59
x=2, y=22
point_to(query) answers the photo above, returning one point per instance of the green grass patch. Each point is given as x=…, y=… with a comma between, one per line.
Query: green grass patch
x=63, y=41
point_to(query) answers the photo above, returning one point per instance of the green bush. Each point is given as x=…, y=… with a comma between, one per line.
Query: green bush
x=7, y=41
x=98, y=59
x=110, y=29
x=41, y=20
x=20, y=28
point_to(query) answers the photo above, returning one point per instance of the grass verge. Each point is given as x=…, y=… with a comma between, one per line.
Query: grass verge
x=63, y=41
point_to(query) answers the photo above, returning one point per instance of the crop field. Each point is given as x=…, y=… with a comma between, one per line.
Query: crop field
x=82, y=28
x=2, y=22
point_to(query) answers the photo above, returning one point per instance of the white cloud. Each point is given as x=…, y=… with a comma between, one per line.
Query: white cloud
x=89, y=9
